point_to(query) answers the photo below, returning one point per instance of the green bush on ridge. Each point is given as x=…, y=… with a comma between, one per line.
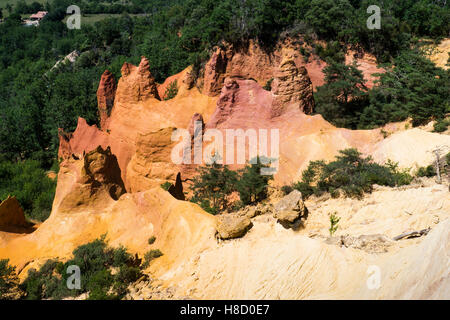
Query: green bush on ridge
x=96, y=261
x=350, y=173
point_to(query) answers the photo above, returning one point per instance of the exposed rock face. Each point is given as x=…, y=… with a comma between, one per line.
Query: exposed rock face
x=185, y=81
x=105, y=97
x=373, y=243
x=151, y=164
x=84, y=139
x=196, y=130
x=101, y=167
x=197, y=117
x=251, y=62
x=232, y=103
x=11, y=214
x=129, y=222
x=230, y=226
x=137, y=83
x=227, y=99
x=290, y=211
x=215, y=71
x=99, y=178
x=292, y=86
x=129, y=119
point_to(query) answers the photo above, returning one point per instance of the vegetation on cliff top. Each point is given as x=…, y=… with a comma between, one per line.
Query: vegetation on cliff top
x=350, y=174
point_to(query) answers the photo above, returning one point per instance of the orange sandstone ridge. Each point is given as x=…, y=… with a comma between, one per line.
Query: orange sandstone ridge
x=138, y=126
x=109, y=176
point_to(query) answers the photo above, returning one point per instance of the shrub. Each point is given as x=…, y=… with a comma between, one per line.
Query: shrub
x=95, y=260
x=334, y=221
x=212, y=187
x=171, y=90
x=166, y=185
x=268, y=85
x=287, y=189
x=151, y=240
x=428, y=171
x=30, y=184
x=151, y=255
x=441, y=125
x=351, y=173
x=8, y=278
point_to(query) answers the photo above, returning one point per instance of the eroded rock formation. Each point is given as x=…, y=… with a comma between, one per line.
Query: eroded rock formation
x=292, y=86
x=98, y=179
x=151, y=164
x=135, y=152
x=105, y=97
x=137, y=83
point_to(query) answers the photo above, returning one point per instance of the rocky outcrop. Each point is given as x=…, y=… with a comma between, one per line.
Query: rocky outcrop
x=84, y=139
x=290, y=211
x=11, y=214
x=373, y=243
x=137, y=83
x=229, y=105
x=105, y=97
x=98, y=178
x=253, y=211
x=214, y=73
x=227, y=99
x=246, y=62
x=230, y=226
x=151, y=164
x=185, y=81
x=292, y=86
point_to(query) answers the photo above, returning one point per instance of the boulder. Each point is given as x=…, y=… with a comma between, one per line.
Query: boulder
x=290, y=211
x=230, y=226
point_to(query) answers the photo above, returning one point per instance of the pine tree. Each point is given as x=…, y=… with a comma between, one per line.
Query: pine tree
x=212, y=187
x=252, y=185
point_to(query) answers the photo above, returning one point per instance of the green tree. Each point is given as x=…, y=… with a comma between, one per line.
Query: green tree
x=253, y=184
x=171, y=90
x=95, y=260
x=350, y=173
x=8, y=278
x=212, y=187
x=342, y=97
x=412, y=87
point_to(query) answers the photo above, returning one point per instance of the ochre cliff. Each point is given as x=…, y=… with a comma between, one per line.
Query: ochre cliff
x=109, y=183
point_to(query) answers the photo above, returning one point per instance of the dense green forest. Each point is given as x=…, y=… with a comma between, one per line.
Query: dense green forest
x=36, y=100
